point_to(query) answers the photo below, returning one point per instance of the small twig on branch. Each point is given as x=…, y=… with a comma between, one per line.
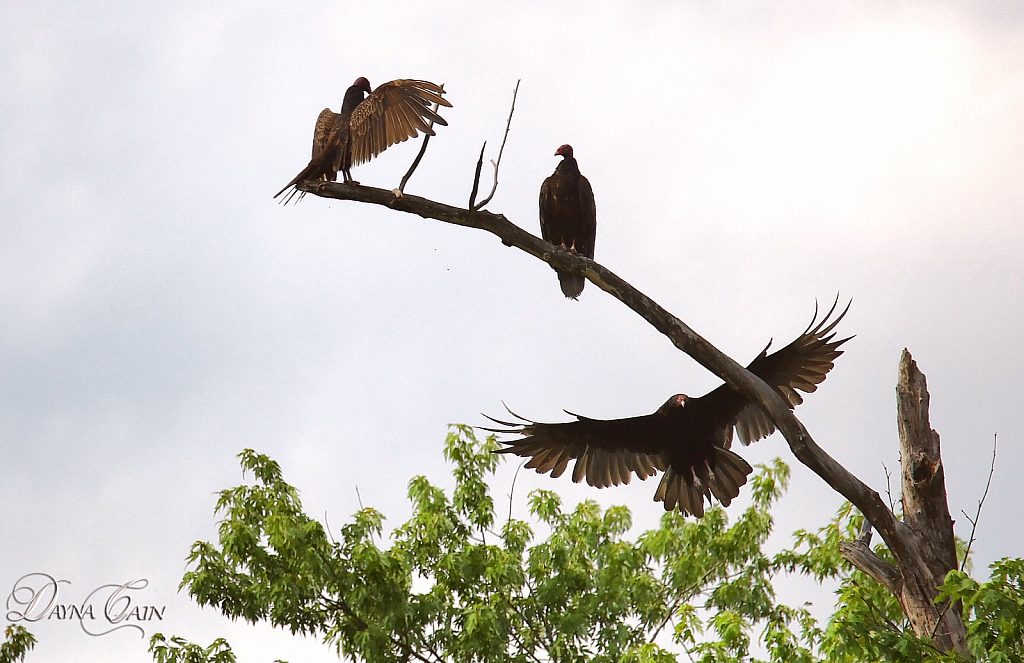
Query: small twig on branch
x=888, y=487
x=327, y=529
x=476, y=177
x=988, y=484
x=938, y=622
x=419, y=155
x=512, y=490
x=479, y=162
x=684, y=595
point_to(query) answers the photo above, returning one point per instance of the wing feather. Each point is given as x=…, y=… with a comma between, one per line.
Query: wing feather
x=800, y=366
x=585, y=242
x=322, y=130
x=607, y=452
x=546, y=205
x=393, y=113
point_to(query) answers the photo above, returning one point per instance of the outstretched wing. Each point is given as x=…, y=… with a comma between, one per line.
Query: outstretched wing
x=393, y=113
x=800, y=366
x=607, y=452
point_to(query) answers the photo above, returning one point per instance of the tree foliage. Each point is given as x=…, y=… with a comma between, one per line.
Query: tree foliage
x=179, y=650
x=457, y=584
x=996, y=627
x=17, y=643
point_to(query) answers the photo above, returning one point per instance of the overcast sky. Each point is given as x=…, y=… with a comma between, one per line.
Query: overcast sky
x=159, y=312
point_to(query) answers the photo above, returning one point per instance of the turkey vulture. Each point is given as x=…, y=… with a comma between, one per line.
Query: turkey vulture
x=686, y=438
x=568, y=216
x=366, y=127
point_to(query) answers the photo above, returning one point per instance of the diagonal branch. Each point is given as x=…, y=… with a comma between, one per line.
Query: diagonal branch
x=868, y=501
x=859, y=554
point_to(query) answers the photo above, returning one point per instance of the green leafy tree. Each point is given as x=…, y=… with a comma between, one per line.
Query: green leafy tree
x=491, y=591
x=179, y=650
x=996, y=626
x=457, y=585
x=17, y=643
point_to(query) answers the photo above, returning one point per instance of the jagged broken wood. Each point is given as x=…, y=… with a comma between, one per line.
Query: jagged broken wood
x=925, y=551
x=914, y=578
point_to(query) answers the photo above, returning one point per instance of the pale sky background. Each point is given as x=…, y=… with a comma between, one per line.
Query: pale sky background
x=159, y=311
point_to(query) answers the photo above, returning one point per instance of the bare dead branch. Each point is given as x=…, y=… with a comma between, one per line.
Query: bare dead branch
x=479, y=163
x=977, y=515
x=512, y=490
x=476, y=177
x=861, y=556
x=888, y=488
x=327, y=529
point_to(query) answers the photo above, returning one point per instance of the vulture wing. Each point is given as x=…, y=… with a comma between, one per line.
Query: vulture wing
x=547, y=210
x=322, y=131
x=687, y=439
x=607, y=452
x=393, y=113
x=588, y=231
x=802, y=365
x=321, y=164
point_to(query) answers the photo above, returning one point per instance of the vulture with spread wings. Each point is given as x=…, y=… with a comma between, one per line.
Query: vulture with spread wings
x=568, y=215
x=364, y=128
x=686, y=438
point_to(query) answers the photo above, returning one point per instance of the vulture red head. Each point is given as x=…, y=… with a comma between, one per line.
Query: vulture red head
x=677, y=401
x=362, y=84
x=564, y=151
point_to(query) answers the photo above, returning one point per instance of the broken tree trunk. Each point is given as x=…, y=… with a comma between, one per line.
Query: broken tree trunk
x=926, y=549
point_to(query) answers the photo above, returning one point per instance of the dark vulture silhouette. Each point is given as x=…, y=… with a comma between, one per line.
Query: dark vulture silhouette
x=686, y=438
x=364, y=128
x=568, y=215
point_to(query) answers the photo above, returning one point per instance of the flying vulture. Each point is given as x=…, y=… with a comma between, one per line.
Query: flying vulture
x=568, y=215
x=686, y=438
x=366, y=127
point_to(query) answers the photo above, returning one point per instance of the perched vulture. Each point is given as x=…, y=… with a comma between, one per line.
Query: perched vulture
x=366, y=127
x=686, y=438
x=568, y=215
